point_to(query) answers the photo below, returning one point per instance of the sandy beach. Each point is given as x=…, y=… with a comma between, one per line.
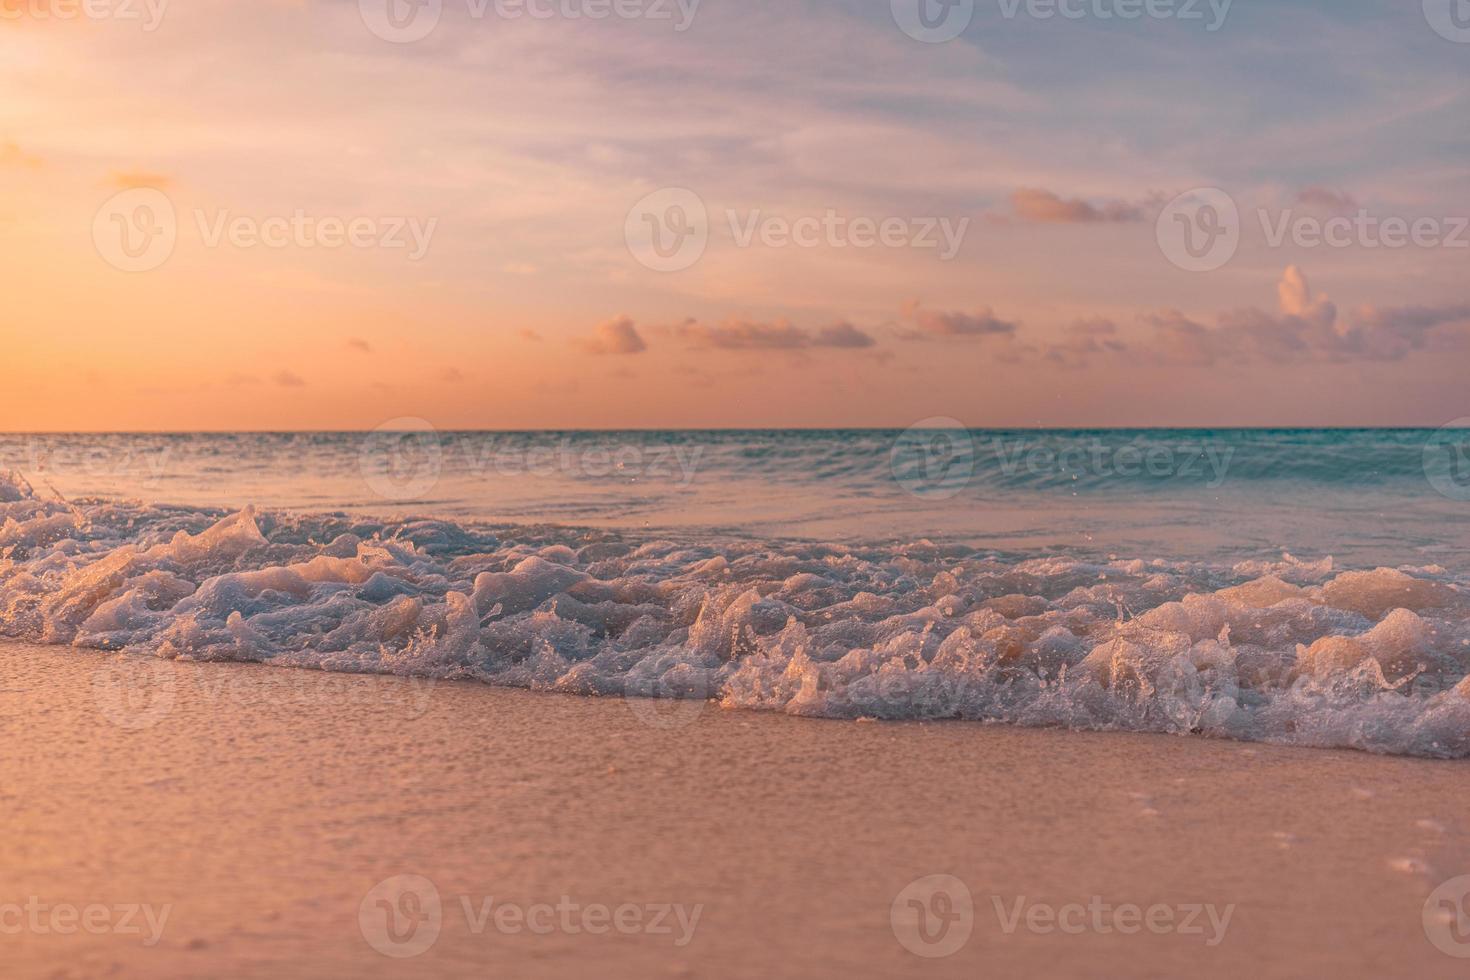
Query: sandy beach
x=238, y=820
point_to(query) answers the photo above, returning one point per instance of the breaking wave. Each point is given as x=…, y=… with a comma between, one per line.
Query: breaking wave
x=1286, y=651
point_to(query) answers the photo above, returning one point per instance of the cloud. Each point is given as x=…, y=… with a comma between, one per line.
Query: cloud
x=617, y=336
x=128, y=180
x=527, y=333
x=1180, y=340
x=288, y=379
x=450, y=375
x=933, y=323
x=1296, y=300
x=11, y=155
x=777, y=335
x=1325, y=199
x=1045, y=207
x=1411, y=319
x=842, y=335
x=1082, y=339
x=1306, y=328
x=358, y=344
x=745, y=335
x=1396, y=331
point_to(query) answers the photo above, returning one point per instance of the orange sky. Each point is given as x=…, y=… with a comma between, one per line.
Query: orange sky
x=520, y=150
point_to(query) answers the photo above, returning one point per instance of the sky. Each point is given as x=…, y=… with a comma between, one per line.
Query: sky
x=330, y=214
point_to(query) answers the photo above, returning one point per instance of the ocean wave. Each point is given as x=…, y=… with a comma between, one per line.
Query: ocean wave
x=982, y=460
x=1286, y=651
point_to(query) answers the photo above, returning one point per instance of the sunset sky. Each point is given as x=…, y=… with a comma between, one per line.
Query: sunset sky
x=522, y=144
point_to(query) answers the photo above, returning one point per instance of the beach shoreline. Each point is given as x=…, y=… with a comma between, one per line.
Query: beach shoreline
x=265, y=808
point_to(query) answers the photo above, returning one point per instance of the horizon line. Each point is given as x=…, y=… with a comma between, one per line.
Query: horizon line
x=733, y=429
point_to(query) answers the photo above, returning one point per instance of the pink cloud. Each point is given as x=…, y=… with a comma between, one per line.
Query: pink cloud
x=615, y=337
x=1082, y=339
x=933, y=323
x=777, y=335
x=1045, y=207
x=1306, y=328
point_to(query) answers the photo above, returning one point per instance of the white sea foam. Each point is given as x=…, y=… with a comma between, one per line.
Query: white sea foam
x=1288, y=651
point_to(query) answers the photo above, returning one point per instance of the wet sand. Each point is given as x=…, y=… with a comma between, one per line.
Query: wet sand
x=262, y=807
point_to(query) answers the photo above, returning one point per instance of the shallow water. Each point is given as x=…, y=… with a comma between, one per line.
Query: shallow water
x=1307, y=588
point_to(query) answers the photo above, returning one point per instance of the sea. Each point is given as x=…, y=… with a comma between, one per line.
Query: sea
x=1306, y=587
